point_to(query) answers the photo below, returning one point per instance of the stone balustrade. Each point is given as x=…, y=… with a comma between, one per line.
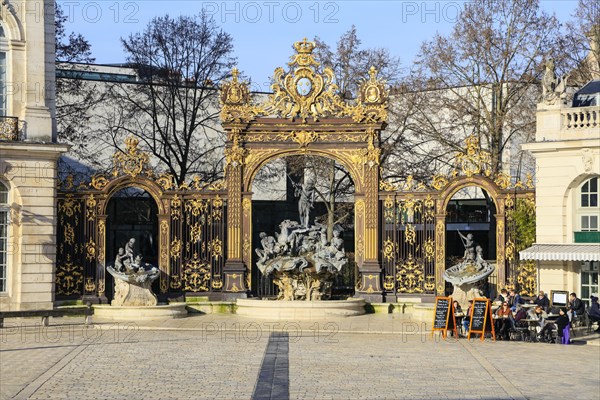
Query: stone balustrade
x=580, y=118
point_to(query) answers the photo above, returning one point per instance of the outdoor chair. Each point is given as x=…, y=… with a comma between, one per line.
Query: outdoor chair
x=520, y=333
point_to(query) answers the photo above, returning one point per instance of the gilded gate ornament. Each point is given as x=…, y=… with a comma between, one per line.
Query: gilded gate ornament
x=474, y=160
x=131, y=162
x=409, y=276
x=196, y=275
x=69, y=278
x=305, y=91
x=69, y=206
x=235, y=100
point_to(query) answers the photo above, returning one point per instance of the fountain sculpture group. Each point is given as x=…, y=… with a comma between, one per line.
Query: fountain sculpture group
x=302, y=261
x=133, y=279
x=468, y=276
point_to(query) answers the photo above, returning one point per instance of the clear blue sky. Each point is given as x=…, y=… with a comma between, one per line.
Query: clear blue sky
x=264, y=31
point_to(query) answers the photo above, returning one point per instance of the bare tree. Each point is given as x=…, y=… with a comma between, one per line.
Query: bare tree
x=173, y=108
x=580, y=43
x=481, y=79
x=350, y=62
x=75, y=96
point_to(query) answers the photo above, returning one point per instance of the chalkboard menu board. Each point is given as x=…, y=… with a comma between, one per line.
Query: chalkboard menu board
x=443, y=317
x=442, y=310
x=478, y=315
x=481, y=318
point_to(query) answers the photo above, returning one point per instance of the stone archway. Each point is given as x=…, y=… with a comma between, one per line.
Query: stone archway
x=304, y=115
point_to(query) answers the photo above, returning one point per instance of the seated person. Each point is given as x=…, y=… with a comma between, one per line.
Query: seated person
x=502, y=296
x=520, y=315
x=576, y=306
x=504, y=321
x=467, y=320
x=458, y=314
x=542, y=301
x=515, y=300
x=537, y=314
x=561, y=323
x=594, y=312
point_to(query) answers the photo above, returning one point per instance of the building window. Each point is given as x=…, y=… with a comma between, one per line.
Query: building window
x=3, y=77
x=589, y=193
x=3, y=102
x=4, y=214
x=588, y=213
x=589, y=280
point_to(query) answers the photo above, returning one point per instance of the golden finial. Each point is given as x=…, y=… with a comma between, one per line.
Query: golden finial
x=373, y=73
x=304, y=47
x=235, y=73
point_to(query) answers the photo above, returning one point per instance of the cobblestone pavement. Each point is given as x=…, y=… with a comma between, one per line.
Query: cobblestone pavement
x=228, y=357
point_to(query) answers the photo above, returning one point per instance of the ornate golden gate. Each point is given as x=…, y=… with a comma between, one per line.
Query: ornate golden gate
x=205, y=231
x=304, y=115
x=413, y=226
x=191, y=229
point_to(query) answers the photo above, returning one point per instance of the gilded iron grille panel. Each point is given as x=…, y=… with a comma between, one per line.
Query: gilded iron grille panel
x=520, y=234
x=408, y=243
x=71, y=247
x=197, y=243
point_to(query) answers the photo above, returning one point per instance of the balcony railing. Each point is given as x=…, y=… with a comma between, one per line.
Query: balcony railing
x=587, y=237
x=9, y=128
x=581, y=118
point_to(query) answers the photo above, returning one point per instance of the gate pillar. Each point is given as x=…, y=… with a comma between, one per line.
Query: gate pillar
x=369, y=286
x=234, y=271
x=440, y=254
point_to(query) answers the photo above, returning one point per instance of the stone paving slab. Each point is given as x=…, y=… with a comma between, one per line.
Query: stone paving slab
x=209, y=357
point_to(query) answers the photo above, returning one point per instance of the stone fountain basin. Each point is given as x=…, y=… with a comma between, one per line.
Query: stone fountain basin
x=282, y=309
x=140, y=313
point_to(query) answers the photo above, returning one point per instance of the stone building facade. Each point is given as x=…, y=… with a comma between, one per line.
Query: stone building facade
x=567, y=153
x=28, y=155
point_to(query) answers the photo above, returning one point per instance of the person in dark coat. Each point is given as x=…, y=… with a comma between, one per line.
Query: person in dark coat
x=576, y=305
x=542, y=301
x=594, y=312
x=561, y=323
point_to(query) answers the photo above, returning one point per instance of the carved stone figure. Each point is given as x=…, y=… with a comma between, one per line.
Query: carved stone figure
x=553, y=88
x=469, y=246
x=468, y=276
x=133, y=278
x=120, y=255
x=302, y=261
x=306, y=192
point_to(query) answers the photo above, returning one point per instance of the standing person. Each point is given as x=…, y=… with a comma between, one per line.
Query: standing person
x=562, y=334
x=458, y=316
x=467, y=320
